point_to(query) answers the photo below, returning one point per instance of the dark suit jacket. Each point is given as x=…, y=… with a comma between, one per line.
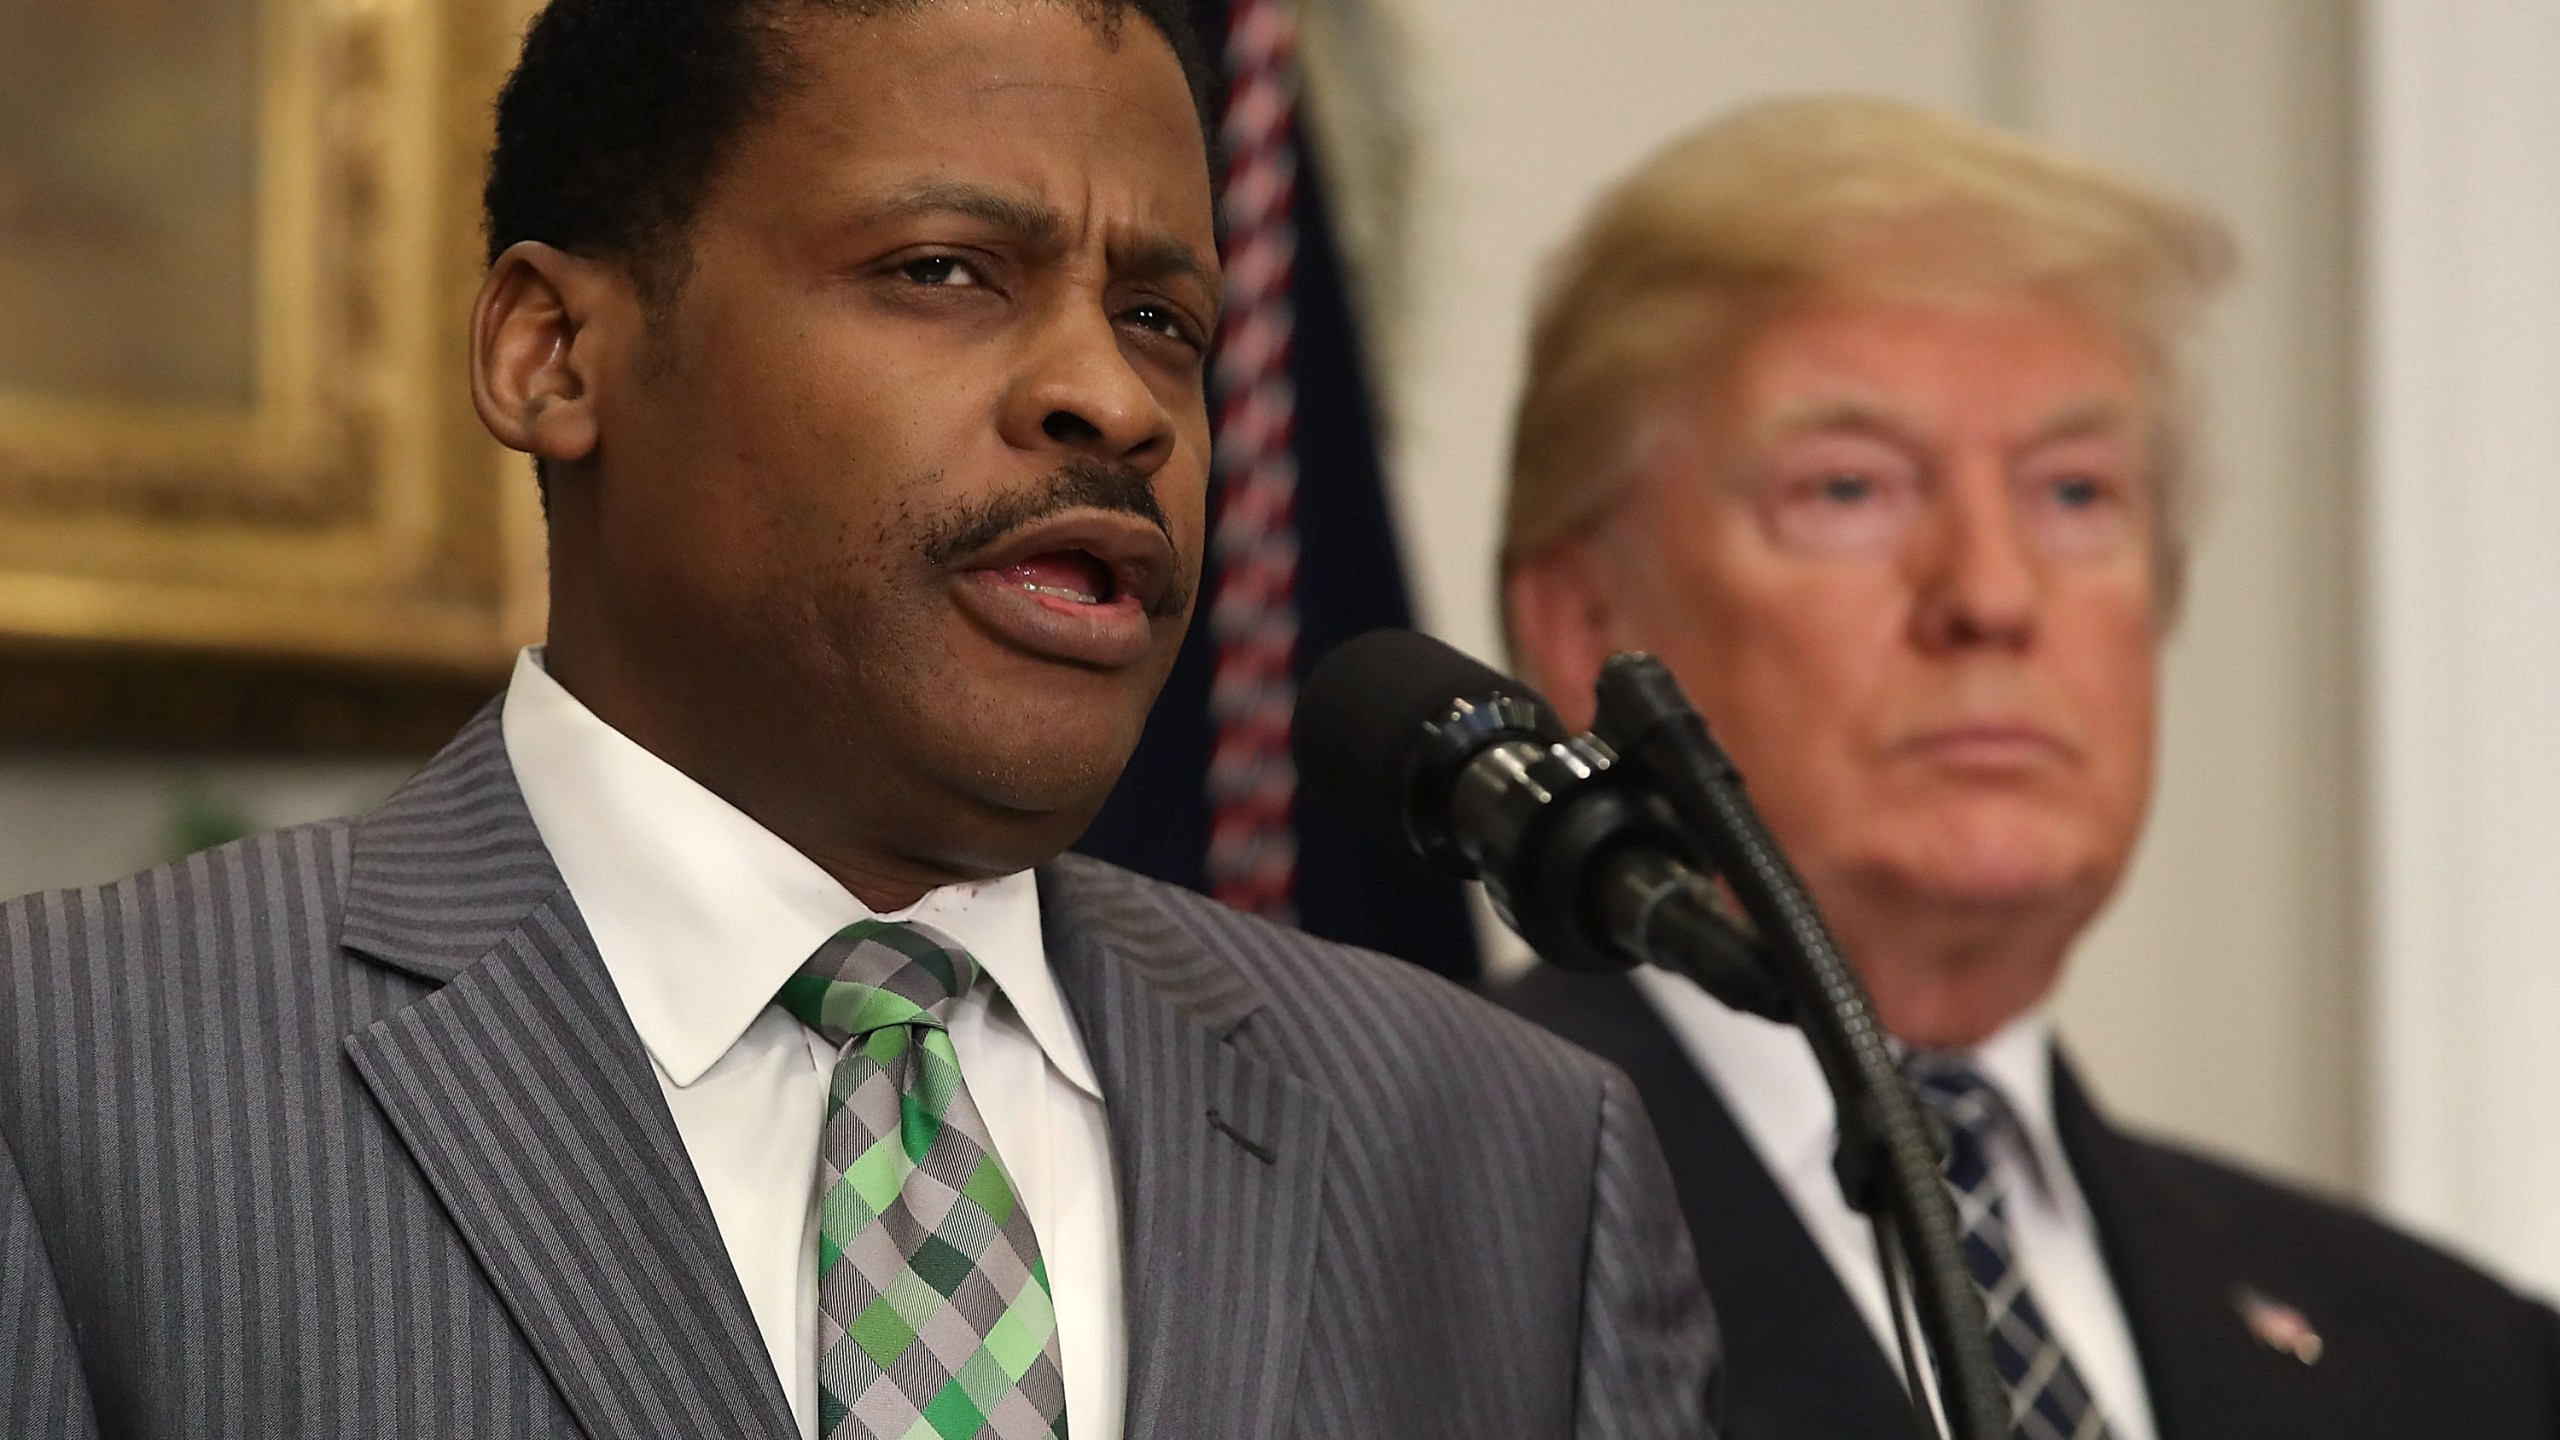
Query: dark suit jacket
x=2415, y=1343
x=342, y=1131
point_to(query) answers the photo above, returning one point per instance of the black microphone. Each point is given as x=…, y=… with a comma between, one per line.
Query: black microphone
x=1468, y=769
x=1602, y=862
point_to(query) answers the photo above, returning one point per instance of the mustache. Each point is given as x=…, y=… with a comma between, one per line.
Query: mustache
x=1078, y=485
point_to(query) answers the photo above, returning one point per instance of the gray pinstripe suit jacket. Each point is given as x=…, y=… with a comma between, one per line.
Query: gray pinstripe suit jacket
x=342, y=1131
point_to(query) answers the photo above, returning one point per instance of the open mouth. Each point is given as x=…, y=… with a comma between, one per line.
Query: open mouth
x=1087, y=588
x=1077, y=576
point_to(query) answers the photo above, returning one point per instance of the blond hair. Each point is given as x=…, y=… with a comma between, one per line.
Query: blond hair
x=1836, y=195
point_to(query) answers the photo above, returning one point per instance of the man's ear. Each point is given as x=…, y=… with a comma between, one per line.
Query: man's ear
x=1561, y=624
x=533, y=355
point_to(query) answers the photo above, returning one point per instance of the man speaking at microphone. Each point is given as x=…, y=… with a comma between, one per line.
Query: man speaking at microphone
x=712, y=1040
x=1869, y=423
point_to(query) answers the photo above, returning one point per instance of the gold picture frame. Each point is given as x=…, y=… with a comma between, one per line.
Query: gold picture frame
x=339, y=526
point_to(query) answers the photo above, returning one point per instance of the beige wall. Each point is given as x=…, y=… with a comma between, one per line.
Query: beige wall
x=83, y=819
x=2217, y=1000
x=2461, y=412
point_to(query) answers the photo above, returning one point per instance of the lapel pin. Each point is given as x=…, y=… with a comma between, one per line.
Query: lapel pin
x=2277, y=1326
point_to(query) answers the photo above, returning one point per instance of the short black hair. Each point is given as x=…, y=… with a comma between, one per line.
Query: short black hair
x=620, y=111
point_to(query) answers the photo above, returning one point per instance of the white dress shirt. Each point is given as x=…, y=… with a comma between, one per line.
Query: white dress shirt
x=1766, y=1075
x=701, y=914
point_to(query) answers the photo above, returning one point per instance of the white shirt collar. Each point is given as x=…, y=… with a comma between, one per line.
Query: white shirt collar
x=701, y=913
x=1768, y=1075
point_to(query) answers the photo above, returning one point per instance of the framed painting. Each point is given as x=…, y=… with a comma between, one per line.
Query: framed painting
x=239, y=473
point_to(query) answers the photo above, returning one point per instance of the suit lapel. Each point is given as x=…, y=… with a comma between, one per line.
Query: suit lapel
x=2177, y=1276
x=1800, y=1361
x=523, y=1094
x=1220, y=1157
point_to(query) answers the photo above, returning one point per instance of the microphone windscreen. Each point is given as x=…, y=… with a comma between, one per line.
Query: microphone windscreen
x=1365, y=715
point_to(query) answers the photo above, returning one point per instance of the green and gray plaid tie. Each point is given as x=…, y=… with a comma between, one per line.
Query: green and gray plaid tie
x=934, y=1320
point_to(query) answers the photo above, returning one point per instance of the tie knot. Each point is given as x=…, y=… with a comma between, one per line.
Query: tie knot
x=1950, y=1086
x=873, y=974
x=1970, y=1106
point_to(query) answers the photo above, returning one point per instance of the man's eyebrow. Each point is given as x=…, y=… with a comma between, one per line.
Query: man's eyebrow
x=2097, y=415
x=1155, y=255
x=1152, y=255
x=1853, y=415
x=1023, y=220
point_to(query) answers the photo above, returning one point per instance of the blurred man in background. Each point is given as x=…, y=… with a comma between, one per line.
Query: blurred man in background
x=1874, y=425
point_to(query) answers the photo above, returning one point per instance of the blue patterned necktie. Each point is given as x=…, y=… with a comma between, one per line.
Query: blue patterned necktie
x=2047, y=1398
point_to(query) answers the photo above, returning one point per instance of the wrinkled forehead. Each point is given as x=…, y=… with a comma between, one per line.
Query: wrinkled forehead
x=969, y=81
x=2019, y=361
x=788, y=25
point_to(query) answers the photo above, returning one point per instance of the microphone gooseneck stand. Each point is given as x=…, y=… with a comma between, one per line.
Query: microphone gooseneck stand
x=1888, y=1161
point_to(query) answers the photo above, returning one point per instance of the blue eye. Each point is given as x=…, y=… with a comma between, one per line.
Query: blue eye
x=2078, y=492
x=1847, y=489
